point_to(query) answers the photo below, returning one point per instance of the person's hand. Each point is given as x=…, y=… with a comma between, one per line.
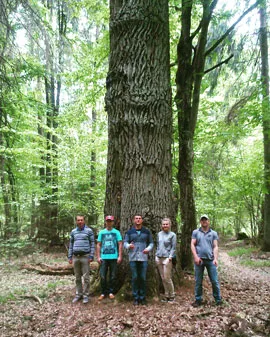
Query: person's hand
x=145, y=251
x=99, y=260
x=70, y=261
x=131, y=245
x=215, y=261
x=197, y=260
x=90, y=259
x=119, y=260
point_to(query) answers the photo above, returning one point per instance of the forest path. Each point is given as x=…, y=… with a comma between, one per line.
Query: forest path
x=245, y=311
x=237, y=272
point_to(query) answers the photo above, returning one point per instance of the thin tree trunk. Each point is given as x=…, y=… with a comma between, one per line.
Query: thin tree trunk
x=266, y=122
x=189, y=76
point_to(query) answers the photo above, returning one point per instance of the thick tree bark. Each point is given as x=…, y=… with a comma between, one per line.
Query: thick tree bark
x=138, y=102
x=266, y=122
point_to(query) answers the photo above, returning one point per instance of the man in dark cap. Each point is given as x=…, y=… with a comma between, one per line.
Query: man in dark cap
x=204, y=247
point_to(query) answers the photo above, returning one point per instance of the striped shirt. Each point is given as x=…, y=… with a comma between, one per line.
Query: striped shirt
x=82, y=241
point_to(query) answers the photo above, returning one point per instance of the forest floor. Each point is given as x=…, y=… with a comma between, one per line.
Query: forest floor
x=40, y=305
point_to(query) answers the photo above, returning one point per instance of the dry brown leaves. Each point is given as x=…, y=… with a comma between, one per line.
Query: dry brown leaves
x=245, y=312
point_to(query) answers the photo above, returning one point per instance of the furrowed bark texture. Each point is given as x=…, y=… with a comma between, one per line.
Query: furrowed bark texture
x=138, y=102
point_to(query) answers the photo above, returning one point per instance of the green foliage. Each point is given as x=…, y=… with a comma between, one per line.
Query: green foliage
x=5, y=298
x=16, y=247
x=256, y=263
x=240, y=251
x=228, y=148
x=249, y=257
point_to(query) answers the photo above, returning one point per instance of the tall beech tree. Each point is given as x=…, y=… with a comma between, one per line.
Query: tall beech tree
x=266, y=121
x=54, y=48
x=138, y=103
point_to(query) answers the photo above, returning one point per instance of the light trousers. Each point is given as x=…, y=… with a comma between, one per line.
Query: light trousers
x=165, y=270
x=82, y=271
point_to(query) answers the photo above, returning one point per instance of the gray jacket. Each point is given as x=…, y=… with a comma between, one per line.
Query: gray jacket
x=166, y=244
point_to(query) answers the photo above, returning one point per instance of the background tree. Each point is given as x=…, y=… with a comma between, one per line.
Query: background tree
x=192, y=51
x=266, y=121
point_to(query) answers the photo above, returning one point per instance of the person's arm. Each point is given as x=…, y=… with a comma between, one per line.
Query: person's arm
x=173, y=248
x=150, y=246
x=92, y=246
x=197, y=259
x=70, y=249
x=215, y=252
x=98, y=252
x=128, y=245
x=120, y=251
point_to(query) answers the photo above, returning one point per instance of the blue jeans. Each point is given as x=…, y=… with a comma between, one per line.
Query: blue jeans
x=138, y=279
x=108, y=287
x=213, y=276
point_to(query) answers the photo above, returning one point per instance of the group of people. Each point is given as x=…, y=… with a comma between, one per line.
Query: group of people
x=138, y=241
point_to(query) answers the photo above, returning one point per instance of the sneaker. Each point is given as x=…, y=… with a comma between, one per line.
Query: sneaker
x=164, y=300
x=76, y=299
x=135, y=302
x=111, y=296
x=171, y=300
x=101, y=297
x=197, y=304
x=85, y=300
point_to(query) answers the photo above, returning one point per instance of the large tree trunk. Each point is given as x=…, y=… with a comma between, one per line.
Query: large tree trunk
x=266, y=122
x=138, y=102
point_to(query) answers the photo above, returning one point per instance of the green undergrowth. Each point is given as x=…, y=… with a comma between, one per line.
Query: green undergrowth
x=242, y=251
x=41, y=291
x=256, y=263
x=250, y=257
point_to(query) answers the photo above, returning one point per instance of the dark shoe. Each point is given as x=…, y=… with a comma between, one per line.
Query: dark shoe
x=171, y=300
x=135, y=302
x=143, y=302
x=85, y=300
x=197, y=304
x=218, y=303
x=76, y=299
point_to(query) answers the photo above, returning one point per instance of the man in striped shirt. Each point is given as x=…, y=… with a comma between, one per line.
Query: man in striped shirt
x=80, y=254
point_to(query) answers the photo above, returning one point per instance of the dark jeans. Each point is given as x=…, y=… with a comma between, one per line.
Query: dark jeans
x=108, y=287
x=213, y=276
x=138, y=279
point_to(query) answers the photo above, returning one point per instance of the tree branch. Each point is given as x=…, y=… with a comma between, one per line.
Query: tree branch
x=219, y=64
x=232, y=27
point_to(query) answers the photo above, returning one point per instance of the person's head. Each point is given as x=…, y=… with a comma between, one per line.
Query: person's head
x=204, y=221
x=137, y=220
x=166, y=224
x=80, y=221
x=109, y=220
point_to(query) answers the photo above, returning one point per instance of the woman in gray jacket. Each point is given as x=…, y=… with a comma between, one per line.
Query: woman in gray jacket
x=166, y=245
